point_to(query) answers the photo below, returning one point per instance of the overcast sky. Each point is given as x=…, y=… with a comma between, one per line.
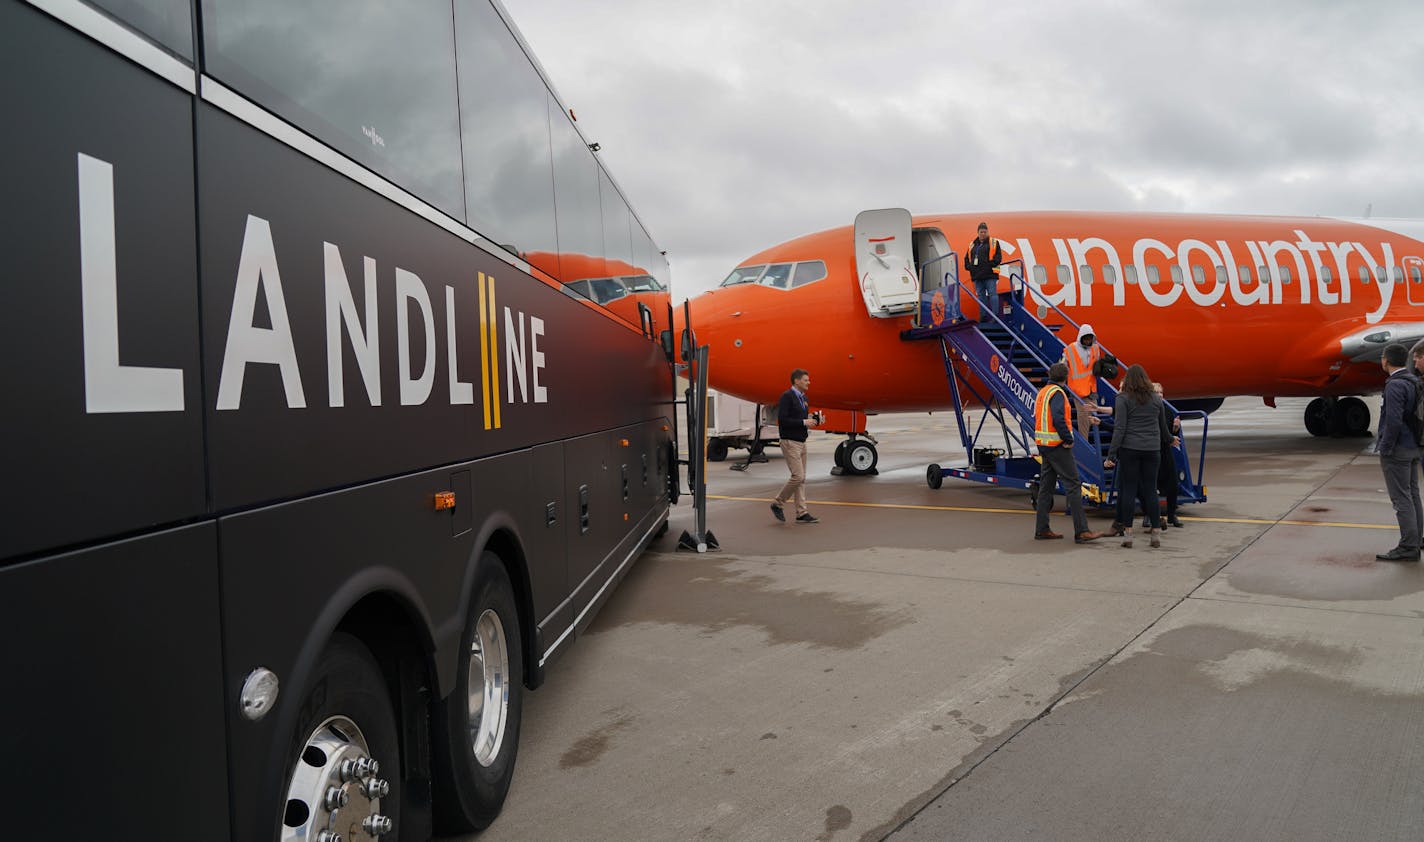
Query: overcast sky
x=733, y=126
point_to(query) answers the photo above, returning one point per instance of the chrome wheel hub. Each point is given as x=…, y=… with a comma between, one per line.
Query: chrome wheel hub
x=488, y=688
x=334, y=794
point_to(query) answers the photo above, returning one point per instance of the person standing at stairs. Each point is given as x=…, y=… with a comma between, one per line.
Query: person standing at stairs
x=1399, y=453
x=1053, y=433
x=981, y=261
x=1139, y=432
x=1168, y=484
x=1081, y=357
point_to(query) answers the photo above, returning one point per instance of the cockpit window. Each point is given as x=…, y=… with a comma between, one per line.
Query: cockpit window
x=743, y=275
x=607, y=289
x=808, y=271
x=777, y=275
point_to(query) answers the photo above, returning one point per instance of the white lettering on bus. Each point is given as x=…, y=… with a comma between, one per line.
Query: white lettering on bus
x=247, y=343
x=409, y=287
x=341, y=310
x=460, y=392
x=109, y=386
x=517, y=353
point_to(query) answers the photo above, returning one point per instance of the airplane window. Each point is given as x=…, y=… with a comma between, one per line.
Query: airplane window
x=743, y=275
x=1364, y=275
x=1325, y=275
x=1040, y=274
x=1285, y=274
x=1153, y=275
x=807, y=272
x=1176, y=274
x=1199, y=275
x=1065, y=277
x=777, y=275
x=1414, y=274
x=1086, y=273
x=1245, y=273
x=1221, y=276
x=580, y=287
x=1381, y=275
x=1397, y=273
x=1109, y=275
x=1130, y=271
x=1264, y=274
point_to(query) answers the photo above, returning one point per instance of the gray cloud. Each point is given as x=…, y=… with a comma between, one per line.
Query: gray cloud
x=737, y=126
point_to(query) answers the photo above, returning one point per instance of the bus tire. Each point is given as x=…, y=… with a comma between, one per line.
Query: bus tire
x=346, y=720
x=477, y=726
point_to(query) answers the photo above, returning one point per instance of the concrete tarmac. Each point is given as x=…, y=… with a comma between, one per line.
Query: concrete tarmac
x=917, y=667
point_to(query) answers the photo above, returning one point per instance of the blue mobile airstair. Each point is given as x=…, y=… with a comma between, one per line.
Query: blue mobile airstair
x=1007, y=352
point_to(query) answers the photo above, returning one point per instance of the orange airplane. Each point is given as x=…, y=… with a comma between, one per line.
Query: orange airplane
x=1211, y=306
x=614, y=285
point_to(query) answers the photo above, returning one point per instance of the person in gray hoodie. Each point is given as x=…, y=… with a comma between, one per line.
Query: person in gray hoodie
x=1139, y=432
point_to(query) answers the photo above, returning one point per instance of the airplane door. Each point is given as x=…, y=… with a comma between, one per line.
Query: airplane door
x=1414, y=279
x=885, y=262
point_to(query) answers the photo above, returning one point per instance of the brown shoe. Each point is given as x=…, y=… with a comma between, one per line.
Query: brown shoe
x=1085, y=537
x=1116, y=529
x=1045, y=536
x=1156, y=541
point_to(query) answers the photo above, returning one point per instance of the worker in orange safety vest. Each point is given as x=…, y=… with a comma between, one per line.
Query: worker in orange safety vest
x=1080, y=357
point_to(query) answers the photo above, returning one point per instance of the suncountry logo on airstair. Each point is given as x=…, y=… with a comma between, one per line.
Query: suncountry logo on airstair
x=1006, y=375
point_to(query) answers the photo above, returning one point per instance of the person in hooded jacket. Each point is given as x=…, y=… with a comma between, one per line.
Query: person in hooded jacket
x=1081, y=357
x=1139, y=432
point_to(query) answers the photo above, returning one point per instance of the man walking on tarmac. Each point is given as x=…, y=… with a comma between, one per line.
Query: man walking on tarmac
x=1053, y=432
x=793, y=419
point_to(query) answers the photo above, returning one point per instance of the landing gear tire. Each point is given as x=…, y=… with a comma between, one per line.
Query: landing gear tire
x=345, y=764
x=840, y=454
x=934, y=476
x=1317, y=417
x=716, y=450
x=860, y=457
x=1351, y=417
x=477, y=729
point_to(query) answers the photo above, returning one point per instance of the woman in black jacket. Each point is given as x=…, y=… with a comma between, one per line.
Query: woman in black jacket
x=1139, y=431
x=1168, y=484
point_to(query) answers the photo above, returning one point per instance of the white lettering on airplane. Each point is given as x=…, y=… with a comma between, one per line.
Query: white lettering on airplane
x=1247, y=273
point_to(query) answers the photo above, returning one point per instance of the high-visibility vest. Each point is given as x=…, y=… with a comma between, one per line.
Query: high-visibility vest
x=1080, y=374
x=989, y=255
x=1043, y=433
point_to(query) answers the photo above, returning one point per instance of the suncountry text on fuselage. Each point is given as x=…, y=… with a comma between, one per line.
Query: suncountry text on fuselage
x=1266, y=257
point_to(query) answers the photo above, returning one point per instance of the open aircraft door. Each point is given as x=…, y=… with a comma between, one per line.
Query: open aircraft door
x=885, y=262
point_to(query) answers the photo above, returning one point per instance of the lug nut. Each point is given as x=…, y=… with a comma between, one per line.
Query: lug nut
x=328, y=836
x=350, y=770
x=336, y=798
x=375, y=788
x=377, y=825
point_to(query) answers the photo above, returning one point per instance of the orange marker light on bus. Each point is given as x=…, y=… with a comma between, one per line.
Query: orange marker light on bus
x=624, y=442
x=444, y=500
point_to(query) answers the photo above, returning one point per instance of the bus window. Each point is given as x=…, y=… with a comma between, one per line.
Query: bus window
x=169, y=22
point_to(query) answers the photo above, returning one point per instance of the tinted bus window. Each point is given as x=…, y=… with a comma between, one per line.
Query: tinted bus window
x=617, y=236
x=580, y=224
x=374, y=80
x=169, y=22
x=504, y=118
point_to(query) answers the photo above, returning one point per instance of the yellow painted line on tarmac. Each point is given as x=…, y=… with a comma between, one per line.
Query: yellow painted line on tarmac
x=913, y=507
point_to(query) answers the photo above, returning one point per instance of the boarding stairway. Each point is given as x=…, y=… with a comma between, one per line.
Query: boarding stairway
x=1007, y=351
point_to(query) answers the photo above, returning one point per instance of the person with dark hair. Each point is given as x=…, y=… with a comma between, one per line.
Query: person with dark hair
x=1168, y=484
x=1417, y=358
x=981, y=261
x=1053, y=433
x=1139, y=431
x=793, y=420
x=1399, y=453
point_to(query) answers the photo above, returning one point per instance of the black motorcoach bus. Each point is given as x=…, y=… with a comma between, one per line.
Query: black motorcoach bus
x=307, y=468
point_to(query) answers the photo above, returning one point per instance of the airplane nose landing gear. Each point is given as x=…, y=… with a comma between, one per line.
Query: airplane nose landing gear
x=856, y=456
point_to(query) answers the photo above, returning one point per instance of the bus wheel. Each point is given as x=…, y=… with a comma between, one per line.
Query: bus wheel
x=716, y=450
x=479, y=721
x=347, y=737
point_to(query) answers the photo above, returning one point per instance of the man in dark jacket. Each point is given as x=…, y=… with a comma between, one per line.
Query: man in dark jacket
x=793, y=419
x=981, y=261
x=1399, y=453
x=1053, y=432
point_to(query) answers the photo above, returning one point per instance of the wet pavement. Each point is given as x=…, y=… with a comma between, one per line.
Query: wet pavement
x=917, y=667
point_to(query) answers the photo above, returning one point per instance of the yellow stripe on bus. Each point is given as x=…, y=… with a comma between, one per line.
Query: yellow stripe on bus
x=484, y=350
x=494, y=353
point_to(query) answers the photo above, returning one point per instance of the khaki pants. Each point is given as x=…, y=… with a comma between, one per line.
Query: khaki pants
x=1085, y=406
x=795, y=453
